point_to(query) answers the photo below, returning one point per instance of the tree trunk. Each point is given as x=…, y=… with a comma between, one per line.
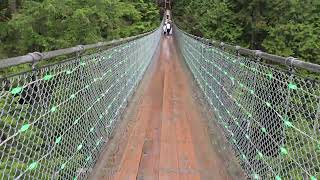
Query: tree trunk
x=12, y=4
x=253, y=29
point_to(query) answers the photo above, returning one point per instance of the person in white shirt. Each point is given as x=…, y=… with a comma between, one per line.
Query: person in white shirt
x=168, y=28
x=171, y=30
x=164, y=28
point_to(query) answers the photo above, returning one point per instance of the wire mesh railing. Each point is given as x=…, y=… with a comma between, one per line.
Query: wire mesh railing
x=271, y=117
x=55, y=120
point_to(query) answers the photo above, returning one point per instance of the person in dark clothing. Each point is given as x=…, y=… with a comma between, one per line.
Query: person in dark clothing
x=168, y=28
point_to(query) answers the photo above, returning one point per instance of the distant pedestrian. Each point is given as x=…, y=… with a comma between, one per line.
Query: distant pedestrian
x=164, y=28
x=168, y=29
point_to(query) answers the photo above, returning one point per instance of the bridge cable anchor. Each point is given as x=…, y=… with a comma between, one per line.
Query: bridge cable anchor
x=258, y=54
x=289, y=62
x=213, y=42
x=79, y=51
x=99, y=50
x=238, y=51
x=36, y=57
x=222, y=46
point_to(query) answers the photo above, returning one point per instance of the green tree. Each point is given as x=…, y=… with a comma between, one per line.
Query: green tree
x=54, y=24
x=283, y=27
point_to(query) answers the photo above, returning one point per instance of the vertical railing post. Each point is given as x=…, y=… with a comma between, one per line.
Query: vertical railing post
x=235, y=91
x=213, y=54
x=316, y=126
x=287, y=105
x=253, y=92
x=222, y=47
x=36, y=57
x=204, y=66
x=211, y=59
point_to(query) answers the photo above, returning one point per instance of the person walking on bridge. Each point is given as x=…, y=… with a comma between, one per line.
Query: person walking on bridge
x=164, y=28
x=168, y=28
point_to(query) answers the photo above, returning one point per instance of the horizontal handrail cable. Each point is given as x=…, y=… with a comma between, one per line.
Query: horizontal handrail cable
x=288, y=61
x=37, y=56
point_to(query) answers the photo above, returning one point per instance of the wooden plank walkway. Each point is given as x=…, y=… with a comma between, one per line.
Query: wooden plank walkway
x=169, y=140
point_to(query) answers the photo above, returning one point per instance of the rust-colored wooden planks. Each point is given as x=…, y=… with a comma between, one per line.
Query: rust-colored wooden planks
x=169, y=140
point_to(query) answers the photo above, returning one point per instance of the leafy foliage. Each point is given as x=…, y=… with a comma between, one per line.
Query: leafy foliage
x=283, y=27
x=44, y=25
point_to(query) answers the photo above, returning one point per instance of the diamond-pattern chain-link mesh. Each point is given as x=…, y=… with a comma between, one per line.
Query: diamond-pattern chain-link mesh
x=269, y=116
x=55, y=121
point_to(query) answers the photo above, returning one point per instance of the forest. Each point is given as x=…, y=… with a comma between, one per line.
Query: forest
x=282, y=27
x=44, y=25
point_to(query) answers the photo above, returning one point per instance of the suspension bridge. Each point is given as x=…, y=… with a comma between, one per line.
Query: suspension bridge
x=154, y=107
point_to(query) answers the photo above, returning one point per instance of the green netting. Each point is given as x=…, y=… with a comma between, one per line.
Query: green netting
x=55, y=120
x=269, y=116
